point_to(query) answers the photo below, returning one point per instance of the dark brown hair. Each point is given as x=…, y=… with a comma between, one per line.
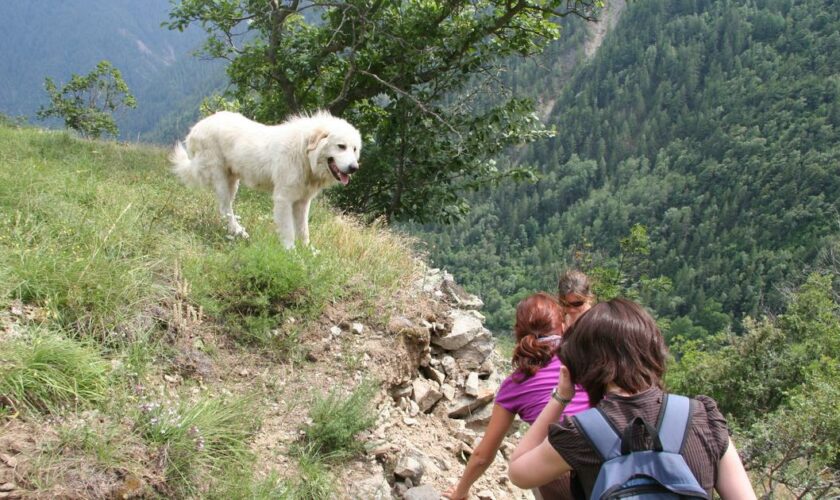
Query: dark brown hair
x=538, y=315
x=615, y=341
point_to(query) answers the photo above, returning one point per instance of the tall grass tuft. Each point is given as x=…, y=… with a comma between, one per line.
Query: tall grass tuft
x=337, y=419
x=47, y=373
x=314, y=481
x=204, y=442
x=375, y=262
x=255, y=284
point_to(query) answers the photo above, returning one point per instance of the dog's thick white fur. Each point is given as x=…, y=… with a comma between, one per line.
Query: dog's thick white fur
x=294, y=161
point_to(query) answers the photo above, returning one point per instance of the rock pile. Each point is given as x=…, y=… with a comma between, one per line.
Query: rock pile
x=441, y=403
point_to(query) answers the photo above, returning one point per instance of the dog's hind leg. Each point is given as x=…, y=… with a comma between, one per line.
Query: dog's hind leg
x=225, y=192
x=300, y=210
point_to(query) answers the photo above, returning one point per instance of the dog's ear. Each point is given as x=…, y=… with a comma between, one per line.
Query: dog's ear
x=317, y=136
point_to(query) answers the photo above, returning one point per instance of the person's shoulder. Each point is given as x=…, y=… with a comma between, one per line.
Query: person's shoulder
x=709, y=406
x=710, y=423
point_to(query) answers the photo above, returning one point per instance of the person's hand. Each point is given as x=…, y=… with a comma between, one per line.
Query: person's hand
x=452, y=495
x=565, y=388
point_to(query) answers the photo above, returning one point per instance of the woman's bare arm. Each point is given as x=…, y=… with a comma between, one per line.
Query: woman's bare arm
x=733, y=482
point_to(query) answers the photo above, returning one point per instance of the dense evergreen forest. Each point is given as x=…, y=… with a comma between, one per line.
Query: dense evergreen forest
x=695, y=165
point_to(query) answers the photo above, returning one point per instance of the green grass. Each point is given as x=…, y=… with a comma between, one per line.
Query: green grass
x=204, y=442
x=45, y=372
x=93, y=232
x=97, y=238
x=314, y=481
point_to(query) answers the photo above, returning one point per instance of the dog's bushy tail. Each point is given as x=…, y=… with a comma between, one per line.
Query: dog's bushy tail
x=184, y=167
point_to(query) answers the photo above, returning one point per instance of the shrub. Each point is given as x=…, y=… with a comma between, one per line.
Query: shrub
x=86, y=102
x=337, y=419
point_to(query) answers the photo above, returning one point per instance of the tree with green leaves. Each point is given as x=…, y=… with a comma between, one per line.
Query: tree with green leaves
x=779, y=384
x=86, y=103
x=419, y=78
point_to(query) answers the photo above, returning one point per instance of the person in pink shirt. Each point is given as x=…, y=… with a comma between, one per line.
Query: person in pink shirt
x=538, y=330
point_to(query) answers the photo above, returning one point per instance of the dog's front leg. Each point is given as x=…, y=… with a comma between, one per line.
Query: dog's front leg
x=283, y=218
x=300, y=209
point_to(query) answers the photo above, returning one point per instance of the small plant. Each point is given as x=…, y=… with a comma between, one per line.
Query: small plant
x=205, y=441
x=46, y=372
x=86, y=102
x=337, y=419
x=314, y=481
x=255, y=285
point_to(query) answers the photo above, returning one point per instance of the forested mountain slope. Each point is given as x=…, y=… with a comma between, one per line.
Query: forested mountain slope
x=56, y=39
x=714, y=125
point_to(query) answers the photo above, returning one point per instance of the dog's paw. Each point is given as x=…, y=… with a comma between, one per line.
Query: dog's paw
x=238, y=233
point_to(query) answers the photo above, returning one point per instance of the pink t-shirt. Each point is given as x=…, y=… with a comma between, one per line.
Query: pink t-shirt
x=527, y=397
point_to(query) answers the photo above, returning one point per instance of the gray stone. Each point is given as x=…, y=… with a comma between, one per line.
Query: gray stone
x=426, y=393
x=479, y=418
x=448, y=391
x=471, y=355
x=465, y=327
x=397, y=324
x=471, y=385
x=413, y=408
x=400, y=391
x=464, y=406
x=373, y=488
x=423, y=492
x=436, y=375
x=450, y=366
x=410, y=466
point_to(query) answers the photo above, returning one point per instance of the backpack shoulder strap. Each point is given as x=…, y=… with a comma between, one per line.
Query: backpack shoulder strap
x=675, y=421
x=599, y=431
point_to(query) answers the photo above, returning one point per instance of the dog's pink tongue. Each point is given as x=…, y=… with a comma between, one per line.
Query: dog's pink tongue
x=344, y=178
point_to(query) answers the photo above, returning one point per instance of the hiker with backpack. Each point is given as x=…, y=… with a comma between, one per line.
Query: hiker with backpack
x=638, y=441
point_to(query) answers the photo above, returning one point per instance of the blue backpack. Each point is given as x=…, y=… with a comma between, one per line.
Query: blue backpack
x=657, y=473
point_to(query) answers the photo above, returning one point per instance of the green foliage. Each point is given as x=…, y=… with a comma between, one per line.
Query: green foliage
x=77, y=239
x=778, y=384
x=313, y=481
x=687, y=122
x=337, y=419
x=86, y=102
x=797, y=445
x=413, y=76
x=45, y=372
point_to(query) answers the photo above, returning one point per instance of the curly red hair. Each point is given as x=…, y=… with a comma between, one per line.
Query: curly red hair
x=538, y=315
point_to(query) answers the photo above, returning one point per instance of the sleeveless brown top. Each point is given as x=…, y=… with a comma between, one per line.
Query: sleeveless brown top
x=707, y=440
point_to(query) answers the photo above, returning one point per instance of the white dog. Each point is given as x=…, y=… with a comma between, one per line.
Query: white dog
x=294, y=160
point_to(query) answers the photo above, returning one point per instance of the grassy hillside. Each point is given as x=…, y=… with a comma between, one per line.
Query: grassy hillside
x=131, y=331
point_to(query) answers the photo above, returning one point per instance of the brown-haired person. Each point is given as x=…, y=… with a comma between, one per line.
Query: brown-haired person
x=617, y=353
x=574, y=291
x=539, y=325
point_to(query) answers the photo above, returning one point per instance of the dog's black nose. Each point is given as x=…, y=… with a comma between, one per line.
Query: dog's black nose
x=352, y=168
